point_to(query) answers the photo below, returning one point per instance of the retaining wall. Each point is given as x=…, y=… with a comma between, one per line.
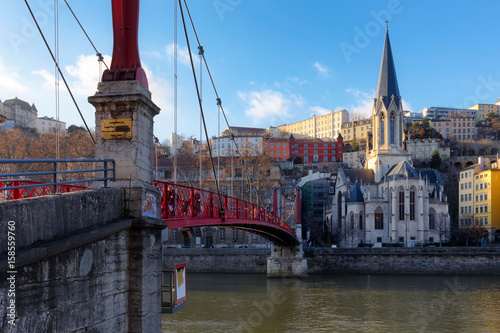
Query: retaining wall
x=469, y=260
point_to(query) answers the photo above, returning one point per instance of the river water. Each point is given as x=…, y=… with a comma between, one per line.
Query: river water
x=338, y=303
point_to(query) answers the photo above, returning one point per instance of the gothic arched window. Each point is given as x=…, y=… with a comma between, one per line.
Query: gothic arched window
x=352, y=221
x=391, y=129
x=401, y=203
x=361, y=221
x=382, y=128
x=432, y=219
x=379, y=218
x=412, y=203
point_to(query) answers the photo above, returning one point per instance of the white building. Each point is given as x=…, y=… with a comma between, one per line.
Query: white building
x=389, y=201
x=437, y=112
x=46, y=125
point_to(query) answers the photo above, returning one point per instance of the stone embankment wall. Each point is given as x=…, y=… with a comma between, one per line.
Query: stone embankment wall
x=470, y=260
x=218, y=260
x=81, y=266
x=482, y=260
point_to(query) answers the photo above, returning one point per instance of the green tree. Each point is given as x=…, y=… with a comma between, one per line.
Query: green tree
x=491, y=116
x=436, y=160
x=74, y=128
x=355, y=144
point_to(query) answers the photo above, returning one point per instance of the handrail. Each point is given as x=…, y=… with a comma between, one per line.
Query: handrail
x=17, y=188
x=184, y=202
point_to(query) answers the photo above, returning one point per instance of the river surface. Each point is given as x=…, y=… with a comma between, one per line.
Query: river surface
x=338, y=303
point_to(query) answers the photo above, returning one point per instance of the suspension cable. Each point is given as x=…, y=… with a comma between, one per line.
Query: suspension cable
x=200, y=53
x=56, y=73
x=219, y=102
x=201, y=108
x=58, y=68
x=175, y=92
x=98, y=54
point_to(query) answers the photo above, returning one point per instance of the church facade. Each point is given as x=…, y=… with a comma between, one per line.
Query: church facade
x=389, y=201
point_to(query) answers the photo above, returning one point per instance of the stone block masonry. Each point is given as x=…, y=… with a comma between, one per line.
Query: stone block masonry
x=82, y=267
x=342, y=260
x=482, y=260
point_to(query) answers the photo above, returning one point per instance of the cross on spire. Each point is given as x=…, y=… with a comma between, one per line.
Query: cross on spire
x=387, y=25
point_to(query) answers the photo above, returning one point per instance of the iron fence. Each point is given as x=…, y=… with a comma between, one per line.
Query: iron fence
x=18, y=185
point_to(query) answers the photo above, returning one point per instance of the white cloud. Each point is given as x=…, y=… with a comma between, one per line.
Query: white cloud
x=362, y=106
x=9, y=81
x=269, y=104
x=85, y=74
x=319, y=110
x=48, y=78
x=322, y=69
x=407, y=106
x=182, y=54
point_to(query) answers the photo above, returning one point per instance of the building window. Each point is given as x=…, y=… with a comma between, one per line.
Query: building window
x=392, y=129
x=222, y=234
x=412, y=203
x=361, y=221
x=379, y=218
x=235, y=235
x=401, y=196
x=432, y=219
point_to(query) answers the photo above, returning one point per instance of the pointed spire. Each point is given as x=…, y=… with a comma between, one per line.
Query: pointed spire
x=387, y=81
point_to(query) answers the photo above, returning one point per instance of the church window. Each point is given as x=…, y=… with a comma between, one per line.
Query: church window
x=391, y=133
x=352, y=222
x=379, y=218
x=361, y=221
x=382, y=129
x=412, y=203
x=401, y=197
x=432, y=219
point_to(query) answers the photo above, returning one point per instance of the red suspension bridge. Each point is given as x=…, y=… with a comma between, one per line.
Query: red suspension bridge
x=181, y=207
x=186, y=207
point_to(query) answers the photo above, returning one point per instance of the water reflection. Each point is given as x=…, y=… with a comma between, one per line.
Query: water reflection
x=341, y=303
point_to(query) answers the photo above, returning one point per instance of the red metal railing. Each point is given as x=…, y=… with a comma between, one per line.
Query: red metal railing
x=32, y=191
x=183, y=202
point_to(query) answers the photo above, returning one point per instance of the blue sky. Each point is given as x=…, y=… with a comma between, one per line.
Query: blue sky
x=273, y=61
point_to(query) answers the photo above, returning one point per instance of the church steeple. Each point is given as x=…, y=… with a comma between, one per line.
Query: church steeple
x=387, y=118
x=387, y=81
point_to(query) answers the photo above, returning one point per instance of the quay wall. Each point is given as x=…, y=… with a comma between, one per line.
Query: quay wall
x=460, y=260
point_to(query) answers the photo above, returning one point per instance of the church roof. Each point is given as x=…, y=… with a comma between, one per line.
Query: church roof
x=432, y=176
x=401, y=170
x=363, y=175
x=387, y=80
x=356, y=195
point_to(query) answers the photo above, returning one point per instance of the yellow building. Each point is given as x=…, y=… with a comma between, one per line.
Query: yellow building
x=478, y=204
x=483, y=109
x=322, y=127
x=357, y=129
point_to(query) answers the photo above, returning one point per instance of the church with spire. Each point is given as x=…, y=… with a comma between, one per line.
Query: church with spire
x=389, y=201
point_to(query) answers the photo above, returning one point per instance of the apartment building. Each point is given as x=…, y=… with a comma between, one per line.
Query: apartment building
x=436, y=112
x=455, y=127
x=326, y=127
x=19, y=112
x=46, y=124
x=357, y=129
x=478, y=204
x=422, y=149
x=310, y=150
x=481, y=110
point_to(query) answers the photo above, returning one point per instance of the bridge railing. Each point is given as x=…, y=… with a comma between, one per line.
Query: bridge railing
x=183, y=202
x=19, y=185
